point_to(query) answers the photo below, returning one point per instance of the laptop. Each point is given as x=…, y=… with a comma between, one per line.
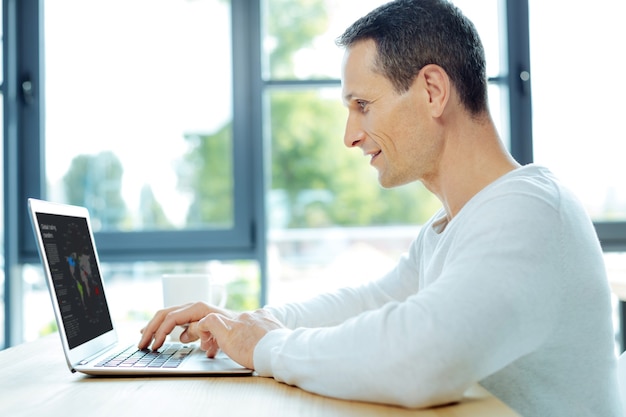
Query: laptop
x=90, y=343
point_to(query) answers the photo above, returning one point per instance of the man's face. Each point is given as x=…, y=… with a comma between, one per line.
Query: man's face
x=392, y=129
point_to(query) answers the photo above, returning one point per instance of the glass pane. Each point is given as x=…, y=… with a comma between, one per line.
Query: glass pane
x=138, y=121
x=318, y=182
x=330, y=223
x=299, y=35
x=485, y=15
x=577, y=86
x=134, y=291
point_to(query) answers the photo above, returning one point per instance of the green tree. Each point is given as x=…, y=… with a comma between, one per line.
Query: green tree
x=322, y=182
x=95, y=181
x=207, y=175
x=309, y=159
x=151, y=212
x=292, y=26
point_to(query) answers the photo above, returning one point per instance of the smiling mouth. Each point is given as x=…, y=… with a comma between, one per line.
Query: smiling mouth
x=374, y=156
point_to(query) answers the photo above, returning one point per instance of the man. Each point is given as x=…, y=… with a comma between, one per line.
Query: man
x=504, y=286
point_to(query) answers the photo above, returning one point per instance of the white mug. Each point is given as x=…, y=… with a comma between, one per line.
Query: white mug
x=179, y=289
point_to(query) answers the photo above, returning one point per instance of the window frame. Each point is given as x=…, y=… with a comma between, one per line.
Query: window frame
x=24, y=146
x=235, y=242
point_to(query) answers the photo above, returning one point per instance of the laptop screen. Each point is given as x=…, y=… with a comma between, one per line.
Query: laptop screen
x=75, y=276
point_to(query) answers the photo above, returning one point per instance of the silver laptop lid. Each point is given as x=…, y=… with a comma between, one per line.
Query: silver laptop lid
x=69, y=257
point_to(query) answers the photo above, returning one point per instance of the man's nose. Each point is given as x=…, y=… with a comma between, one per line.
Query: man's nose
x=353, y=135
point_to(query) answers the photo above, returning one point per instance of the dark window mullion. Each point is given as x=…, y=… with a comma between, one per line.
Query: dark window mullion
x=518, y=80
x=23, y=157
x=248, y=127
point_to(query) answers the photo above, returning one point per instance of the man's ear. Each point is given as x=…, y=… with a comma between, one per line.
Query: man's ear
x=438, y=87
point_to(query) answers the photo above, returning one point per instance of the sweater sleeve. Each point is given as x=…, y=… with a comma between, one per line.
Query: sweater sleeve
x=334, y=308
x=489, y=305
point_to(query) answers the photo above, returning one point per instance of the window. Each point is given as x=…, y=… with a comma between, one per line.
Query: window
x=139, y=122
x=329, y=222
x=134, y=290
x=578, y=83
x=239, y=111
x=139, y=128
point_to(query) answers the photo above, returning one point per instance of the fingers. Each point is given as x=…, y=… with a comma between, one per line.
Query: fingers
x=147, y=333
x=165, y=320
x=209, y=344
x=236, y=336
x=190, y=334
x=213, y=326
x=214, y=330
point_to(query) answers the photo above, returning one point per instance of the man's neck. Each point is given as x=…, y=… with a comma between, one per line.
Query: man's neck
x=474, y=157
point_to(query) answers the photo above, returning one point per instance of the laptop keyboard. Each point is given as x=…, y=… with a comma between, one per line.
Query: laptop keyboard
x=168, y=356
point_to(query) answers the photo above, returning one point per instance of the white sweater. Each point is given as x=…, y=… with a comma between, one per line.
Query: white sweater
x=511, y=293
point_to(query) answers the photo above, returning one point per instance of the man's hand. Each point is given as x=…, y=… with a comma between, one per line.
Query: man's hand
x=237, y=335
x=165, y=320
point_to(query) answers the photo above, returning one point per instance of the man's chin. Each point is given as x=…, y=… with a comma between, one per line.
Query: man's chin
x=387, y=182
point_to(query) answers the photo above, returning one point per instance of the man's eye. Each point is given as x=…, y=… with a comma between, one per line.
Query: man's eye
x=362, y=104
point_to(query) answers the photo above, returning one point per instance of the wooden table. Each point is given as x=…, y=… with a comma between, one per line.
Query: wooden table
x=43, y=386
